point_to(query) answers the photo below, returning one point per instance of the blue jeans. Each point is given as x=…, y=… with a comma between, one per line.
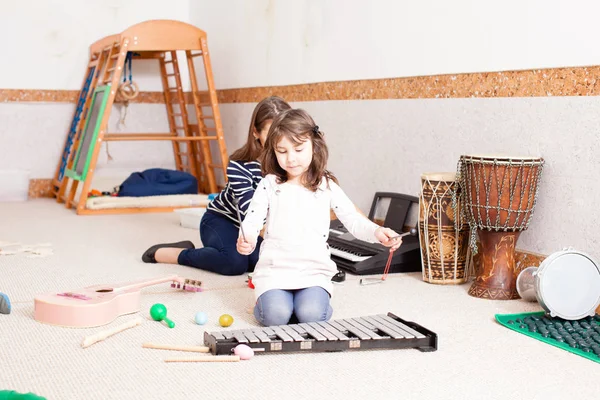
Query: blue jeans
x=219, y=254
x=278, y=307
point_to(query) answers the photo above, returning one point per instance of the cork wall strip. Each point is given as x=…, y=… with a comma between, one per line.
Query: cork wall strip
x=574, y=81
x=64, y=96
x=42, y=96
x=580, y=81
x=39, y=188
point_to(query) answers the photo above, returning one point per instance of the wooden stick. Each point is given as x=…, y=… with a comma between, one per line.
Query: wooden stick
x=197, y=349
x=90, y=340
x=205, y=359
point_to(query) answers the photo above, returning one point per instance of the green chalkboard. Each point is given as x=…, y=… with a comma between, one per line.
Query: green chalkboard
x=89, y=136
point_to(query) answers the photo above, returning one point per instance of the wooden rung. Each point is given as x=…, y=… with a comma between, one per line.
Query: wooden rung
x=154, y=136
x=206, y=117
x=148, y=55
x=196, y=54
x=216, y=166
x=209, y=129
x=172, y=74
x=173, y=89
x=114, y=56
x=111, y=69
x=115, y=44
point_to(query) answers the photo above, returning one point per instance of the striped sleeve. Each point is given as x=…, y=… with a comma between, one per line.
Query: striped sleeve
x=242, y=180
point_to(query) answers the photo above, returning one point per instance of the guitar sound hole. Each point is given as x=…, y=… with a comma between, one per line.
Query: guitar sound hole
x=104, y=290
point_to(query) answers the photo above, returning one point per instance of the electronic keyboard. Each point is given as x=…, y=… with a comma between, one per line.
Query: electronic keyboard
x=363, y=258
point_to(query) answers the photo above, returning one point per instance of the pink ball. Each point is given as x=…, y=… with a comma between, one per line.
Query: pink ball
x=245, y=352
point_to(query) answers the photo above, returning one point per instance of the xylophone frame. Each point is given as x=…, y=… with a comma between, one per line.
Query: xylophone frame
x=425, y=344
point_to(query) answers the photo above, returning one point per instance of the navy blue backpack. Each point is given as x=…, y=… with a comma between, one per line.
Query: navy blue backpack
x=158, y=181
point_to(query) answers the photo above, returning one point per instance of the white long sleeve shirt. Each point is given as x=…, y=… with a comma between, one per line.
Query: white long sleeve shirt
x=294, y=253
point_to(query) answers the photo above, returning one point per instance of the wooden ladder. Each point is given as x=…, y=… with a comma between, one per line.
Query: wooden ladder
x=195, y=155
x=177, y=112
x=203, y=154
x=105, y=68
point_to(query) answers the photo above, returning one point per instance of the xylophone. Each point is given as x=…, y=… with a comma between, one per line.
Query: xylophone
x=373, y=332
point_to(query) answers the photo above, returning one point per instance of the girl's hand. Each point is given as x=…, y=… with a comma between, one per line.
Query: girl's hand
x=384, y=234
x=245, y=248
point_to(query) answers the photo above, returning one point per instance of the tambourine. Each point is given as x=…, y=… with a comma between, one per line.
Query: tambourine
x=566, y=284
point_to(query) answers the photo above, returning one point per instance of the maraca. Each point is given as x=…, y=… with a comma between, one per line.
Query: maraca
x=158, y=312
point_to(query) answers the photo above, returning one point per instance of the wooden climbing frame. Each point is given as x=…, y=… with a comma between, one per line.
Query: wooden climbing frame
x=160, y=40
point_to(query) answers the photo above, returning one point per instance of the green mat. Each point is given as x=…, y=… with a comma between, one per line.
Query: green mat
x=581, y=337
x=12, y=395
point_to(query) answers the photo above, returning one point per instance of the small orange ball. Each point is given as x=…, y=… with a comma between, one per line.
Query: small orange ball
x=225, y=320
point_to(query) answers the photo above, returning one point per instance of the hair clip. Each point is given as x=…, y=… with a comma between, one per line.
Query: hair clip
x=315, y=129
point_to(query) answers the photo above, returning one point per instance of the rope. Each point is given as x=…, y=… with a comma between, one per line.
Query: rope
x=126, y=92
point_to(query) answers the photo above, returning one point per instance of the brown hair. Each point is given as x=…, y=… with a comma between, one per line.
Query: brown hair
x=264, y=111
x=297, y=126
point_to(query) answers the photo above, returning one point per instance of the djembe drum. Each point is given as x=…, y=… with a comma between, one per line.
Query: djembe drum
x=442, y=231
x=499, y=196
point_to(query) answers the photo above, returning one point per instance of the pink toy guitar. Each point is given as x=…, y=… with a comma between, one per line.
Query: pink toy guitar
x=101, y=304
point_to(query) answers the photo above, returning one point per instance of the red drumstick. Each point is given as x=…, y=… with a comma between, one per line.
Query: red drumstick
x=412, y=232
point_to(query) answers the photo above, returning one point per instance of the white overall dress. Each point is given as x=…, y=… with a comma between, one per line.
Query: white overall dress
x=294, y=253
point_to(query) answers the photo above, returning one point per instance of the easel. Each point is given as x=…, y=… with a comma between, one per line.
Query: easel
x=159, y=40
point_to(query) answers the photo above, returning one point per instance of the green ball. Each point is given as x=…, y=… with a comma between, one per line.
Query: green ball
x=158, y=312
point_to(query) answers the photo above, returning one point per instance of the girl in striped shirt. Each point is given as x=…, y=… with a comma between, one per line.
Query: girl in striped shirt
x=219, y=226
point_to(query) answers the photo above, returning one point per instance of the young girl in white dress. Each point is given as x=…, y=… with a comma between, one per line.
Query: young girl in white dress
x=292, y=278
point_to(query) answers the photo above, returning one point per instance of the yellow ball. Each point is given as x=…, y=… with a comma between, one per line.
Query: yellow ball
x=225, y=320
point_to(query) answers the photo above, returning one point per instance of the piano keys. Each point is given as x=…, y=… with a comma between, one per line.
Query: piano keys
x=363, y=258
x=383, y=331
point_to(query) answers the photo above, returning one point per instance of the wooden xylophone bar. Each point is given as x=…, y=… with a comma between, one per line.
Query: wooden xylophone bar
x=373, y=332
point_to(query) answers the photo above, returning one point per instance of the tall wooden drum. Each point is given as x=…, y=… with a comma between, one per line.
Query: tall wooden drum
x=442, y=232
x=499, y=197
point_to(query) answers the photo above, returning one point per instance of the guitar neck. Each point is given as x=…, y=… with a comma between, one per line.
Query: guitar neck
x=145, y=283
